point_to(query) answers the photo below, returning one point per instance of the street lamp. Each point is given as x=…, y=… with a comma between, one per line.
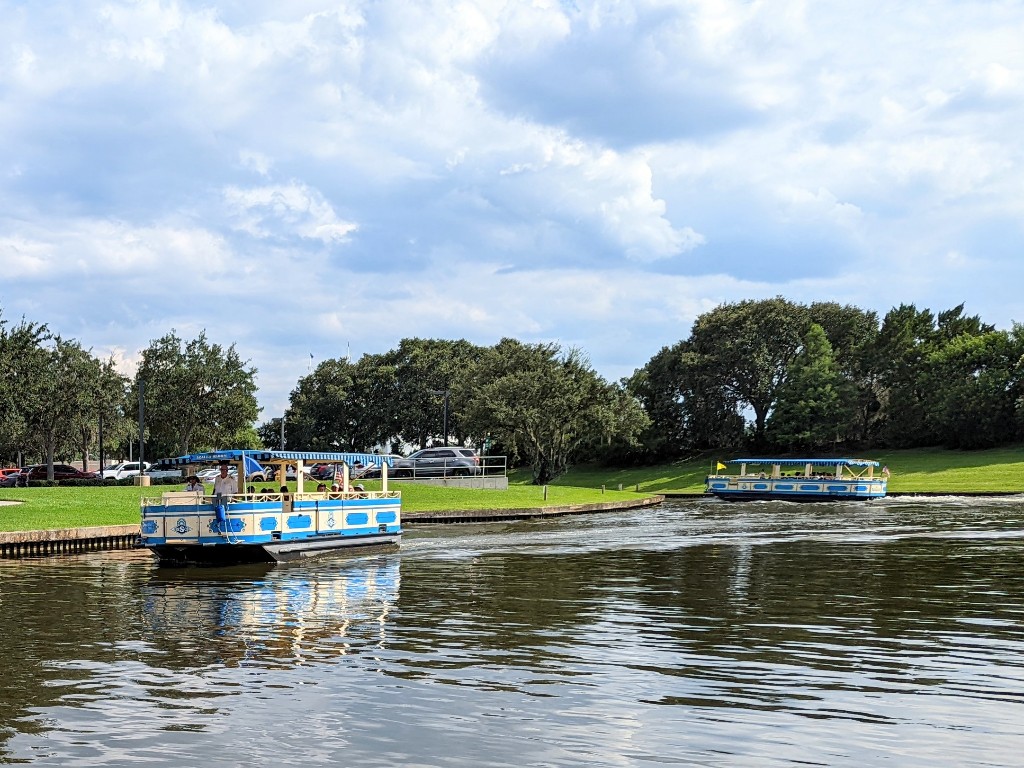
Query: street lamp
x=445, y=393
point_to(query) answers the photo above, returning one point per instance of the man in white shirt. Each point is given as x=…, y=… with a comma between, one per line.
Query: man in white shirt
x=224, y=484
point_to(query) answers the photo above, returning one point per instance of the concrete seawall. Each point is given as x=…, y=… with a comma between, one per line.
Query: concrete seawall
x=67, y=540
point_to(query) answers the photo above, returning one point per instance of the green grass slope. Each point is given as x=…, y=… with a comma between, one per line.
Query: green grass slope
x=913, y=471
x=929, y=470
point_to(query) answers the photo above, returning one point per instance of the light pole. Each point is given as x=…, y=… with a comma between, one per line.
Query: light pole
x=142, y=422
x=445, y=425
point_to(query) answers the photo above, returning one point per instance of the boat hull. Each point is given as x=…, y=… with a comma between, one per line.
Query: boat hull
x=191, y=529
x=276, y=552
x=741, y=489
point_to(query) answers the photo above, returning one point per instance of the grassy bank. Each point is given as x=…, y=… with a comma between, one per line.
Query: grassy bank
x=930, y=470
x=916, y=471
x=50, y=508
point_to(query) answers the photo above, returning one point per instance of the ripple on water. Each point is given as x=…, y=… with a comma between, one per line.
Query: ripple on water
x=699, y=633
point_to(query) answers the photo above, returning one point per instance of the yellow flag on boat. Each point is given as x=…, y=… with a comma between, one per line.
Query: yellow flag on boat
x=719, y=465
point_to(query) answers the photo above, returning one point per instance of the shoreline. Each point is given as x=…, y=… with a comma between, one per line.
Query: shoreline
x=19, y=544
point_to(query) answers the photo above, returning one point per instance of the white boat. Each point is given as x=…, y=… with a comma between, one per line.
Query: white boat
x=264, y=525
x=798, y=480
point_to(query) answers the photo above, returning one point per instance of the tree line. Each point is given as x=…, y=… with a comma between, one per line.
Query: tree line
x=759, y=375
x=776, y=375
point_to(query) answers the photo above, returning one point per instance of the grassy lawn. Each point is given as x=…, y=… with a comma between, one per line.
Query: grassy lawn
x=920, y=471
x=930, y=470
x=49, y=508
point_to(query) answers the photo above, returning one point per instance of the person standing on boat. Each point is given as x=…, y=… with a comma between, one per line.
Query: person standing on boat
x=224, y=484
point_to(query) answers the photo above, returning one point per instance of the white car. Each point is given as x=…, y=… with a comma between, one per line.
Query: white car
x=209, y=474
x=123, y=470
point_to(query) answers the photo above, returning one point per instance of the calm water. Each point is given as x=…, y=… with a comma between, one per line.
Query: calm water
x=700, y=633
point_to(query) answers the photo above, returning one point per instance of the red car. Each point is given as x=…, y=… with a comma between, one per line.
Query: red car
x=60, y=472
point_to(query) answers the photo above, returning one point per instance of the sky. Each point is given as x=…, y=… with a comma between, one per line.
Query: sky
x=311, y=180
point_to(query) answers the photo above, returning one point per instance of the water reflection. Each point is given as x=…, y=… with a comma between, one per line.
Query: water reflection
x=269, y=615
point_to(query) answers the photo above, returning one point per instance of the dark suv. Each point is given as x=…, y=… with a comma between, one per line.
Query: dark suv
x=437, y=462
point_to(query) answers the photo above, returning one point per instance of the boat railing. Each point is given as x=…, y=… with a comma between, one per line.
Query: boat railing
x=191, y=498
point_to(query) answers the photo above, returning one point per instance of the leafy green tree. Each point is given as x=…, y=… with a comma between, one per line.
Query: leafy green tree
x=551, y=407
x=906, y=338
x=422, y=369
x=975, y=389
x=198, y=395
x=101, y=391
x=23, y=362
x=813, y=402
x=748, y=347
x=269, y=434
x=319, y=417
x=61, y=395
x=853, y=334
x=689, y=409
x=908, y=341
x=112, y=406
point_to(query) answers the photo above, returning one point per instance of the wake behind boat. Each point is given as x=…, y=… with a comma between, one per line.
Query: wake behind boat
x=798, y=480
x=200, y=528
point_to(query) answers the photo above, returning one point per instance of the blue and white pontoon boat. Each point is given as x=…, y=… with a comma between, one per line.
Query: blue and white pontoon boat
x=798, y=480
x=194, y=528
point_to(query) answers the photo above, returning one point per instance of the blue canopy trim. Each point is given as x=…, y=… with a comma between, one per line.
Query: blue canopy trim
x=815, y=462
x=276, y=457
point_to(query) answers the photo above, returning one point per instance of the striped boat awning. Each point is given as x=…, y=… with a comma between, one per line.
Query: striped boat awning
x=277, y=457
x=815, y=462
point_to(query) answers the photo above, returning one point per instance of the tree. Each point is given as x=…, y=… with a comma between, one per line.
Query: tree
x=689, y=409
x=814, y=401
x=853, y=334
x=975, y=388
x=748, y=347
x=547, y=405
x=101, y=393
x=23, y=360
x=908, y=342
x=319, y=417
x=62, y=393
x=423, y=367
x=198, y=395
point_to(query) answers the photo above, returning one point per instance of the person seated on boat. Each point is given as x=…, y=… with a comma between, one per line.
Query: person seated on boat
x=359, y=488
x=251, y=489
x=284, y=489
x=192, y=485
x=322, y=488
x=224, y=484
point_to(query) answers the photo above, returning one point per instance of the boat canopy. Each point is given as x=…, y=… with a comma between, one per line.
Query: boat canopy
x=275, y=457
x=815, y=462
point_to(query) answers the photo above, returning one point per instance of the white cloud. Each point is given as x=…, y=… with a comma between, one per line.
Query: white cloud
x=289, y=209
x=597, y=174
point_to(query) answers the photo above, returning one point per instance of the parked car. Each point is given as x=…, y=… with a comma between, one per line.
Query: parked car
x=255, y=472
x=290, y=473
x=11, y=479
x=433, y=462
x=123, y=470
x=60, y=472
x=209, y=474
x=321, y=472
